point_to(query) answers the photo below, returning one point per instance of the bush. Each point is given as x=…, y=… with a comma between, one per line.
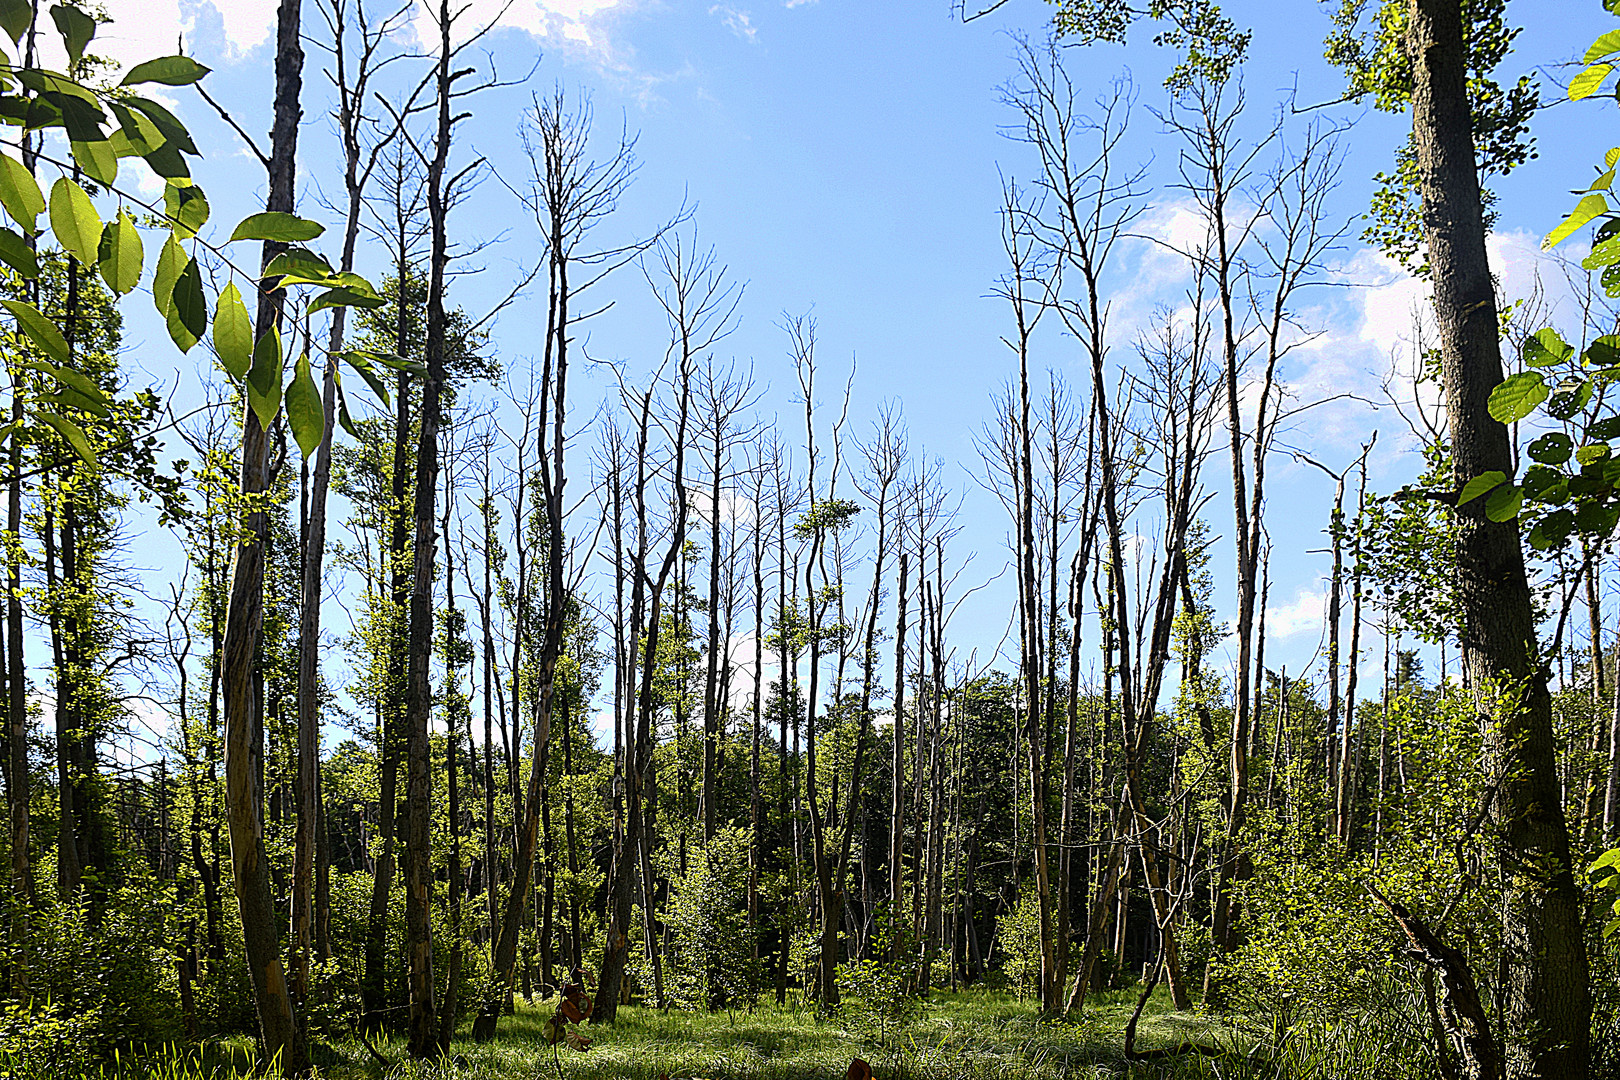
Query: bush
x=1020, y=935
x=879, y=998
x=712, y=963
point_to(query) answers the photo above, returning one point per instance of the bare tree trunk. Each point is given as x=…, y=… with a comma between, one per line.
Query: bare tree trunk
x=244, y=734
x=22, y=878
x=1548, y=1003
x=897, y=735
x=452, y=753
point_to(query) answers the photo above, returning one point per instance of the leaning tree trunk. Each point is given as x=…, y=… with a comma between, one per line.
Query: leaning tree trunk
x=1548, y=1004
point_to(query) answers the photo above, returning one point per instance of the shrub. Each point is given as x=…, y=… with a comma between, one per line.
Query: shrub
x=712, y=963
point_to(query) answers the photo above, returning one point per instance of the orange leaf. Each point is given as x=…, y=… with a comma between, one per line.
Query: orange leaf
x=858, y=1070
x=578, y=1041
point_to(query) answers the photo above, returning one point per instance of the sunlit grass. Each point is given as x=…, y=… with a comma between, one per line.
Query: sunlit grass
x=972, y=1035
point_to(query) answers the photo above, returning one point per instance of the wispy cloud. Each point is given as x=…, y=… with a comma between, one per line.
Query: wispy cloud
x=738, y=22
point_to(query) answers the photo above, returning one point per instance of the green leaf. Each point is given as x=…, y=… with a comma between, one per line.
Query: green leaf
x=1552, y=448
x=362, y=365
x=276, y=226
x=40, y=330
x=15, y=18
x=343, y=408
x=76, y=29
x=1504, y=503
x=121, y=254
x=1586, y=83
x=1596, y=519
x=74, y=221
x=20, y=194
x=233, y=333
x=72, y=399
x=1606, y=45
x=186, y=207
x=72, y=433
x=1517, y=396
x=299, y=266
x=174, y=132
x=1603, y=352
x=304, y=413
x=1545, y=348
x=1604, y=253
x=82, y=119
x=1611, y=280
x=1539, y=480
x=1571, y=397
x=1479, y=485
x=264, y=380
x=170, y=262
x=142, y=136
x=332, y=298
x=167, y=162
x=76, y=381
x=98, y=160
x=15, y=253
x=189, y=309
x=1592, y=453
x=1585, y=210
x=168, y=70
x=398, y=363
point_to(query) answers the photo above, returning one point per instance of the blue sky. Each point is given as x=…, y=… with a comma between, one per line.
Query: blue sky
x=845, y=158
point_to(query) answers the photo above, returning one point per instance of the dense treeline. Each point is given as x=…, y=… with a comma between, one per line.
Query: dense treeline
x=667, y=692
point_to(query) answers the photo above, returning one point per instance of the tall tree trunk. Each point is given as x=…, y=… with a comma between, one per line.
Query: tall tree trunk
x=1548, y=1003
x=22, y=878
x=244, y=620
x=419, y=701
x=452, y=753
x=897, y=751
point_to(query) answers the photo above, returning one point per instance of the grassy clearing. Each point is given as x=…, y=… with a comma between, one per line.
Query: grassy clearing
x=974, y=1035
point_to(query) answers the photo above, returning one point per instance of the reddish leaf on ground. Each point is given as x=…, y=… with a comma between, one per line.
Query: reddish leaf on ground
x=858, y=1070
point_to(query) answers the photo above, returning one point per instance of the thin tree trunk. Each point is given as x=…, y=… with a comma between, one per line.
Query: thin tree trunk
x=244, y=621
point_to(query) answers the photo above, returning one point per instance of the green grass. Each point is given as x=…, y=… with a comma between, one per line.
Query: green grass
x=974, y=1035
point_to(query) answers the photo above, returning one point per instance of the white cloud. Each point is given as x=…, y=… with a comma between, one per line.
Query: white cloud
x=581, y=26
x=1306, y=613
x=143, y=29
x=738, y=22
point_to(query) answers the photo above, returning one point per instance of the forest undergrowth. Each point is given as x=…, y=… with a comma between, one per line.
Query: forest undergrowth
x=960, y=1036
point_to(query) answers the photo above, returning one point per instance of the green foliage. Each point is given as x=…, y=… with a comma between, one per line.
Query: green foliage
x=1606, y=874
x=879, y=999
x=1019, y=932
x=1368, y=43
x=712, y=964
x=1408, y=546
x=103, y=124
x=92, y=984
x=1211, y=45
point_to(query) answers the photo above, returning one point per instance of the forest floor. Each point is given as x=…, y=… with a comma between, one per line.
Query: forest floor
x=974, y=1034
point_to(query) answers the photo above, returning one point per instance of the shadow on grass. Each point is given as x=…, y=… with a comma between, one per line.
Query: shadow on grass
x=972, y=1035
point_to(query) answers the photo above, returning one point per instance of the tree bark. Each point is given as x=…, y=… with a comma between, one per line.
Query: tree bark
x=244, y=621
x=1548, y=1004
